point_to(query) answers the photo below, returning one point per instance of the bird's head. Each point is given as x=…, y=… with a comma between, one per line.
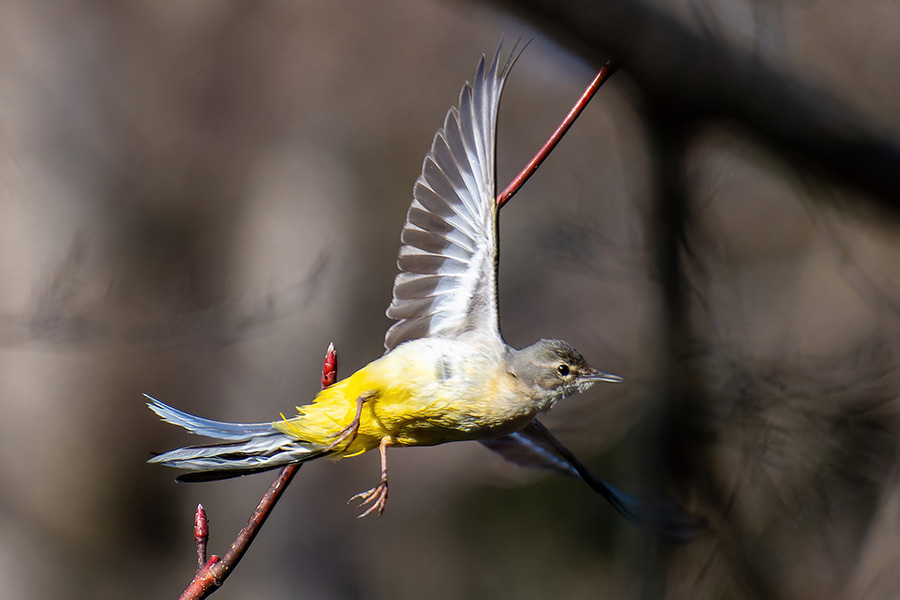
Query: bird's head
x=550, y=370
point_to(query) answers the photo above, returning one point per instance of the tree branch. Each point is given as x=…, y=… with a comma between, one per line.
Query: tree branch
x=533, y=165
x=215, y=571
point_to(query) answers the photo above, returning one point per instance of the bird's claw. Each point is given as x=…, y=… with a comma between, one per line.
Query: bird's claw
x=348, y=434
x=345, y=436
x=376, y=498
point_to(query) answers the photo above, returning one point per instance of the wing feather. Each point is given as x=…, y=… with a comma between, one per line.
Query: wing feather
x=535, y=447
x=447, y=283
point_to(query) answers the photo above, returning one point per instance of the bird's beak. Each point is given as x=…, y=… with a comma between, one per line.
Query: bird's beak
x=595, y=375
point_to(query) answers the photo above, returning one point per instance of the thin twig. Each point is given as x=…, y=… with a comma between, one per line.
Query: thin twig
x=608, y=69
x=215, y=571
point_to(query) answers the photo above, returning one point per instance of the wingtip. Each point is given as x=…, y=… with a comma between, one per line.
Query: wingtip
x=515, y=52
x=457, y=181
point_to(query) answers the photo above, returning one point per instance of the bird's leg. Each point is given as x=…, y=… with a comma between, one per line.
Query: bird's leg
x=348, y=434
x=378, y=495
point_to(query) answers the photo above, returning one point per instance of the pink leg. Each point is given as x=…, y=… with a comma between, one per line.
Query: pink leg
x=378, y=495
x=346, y=435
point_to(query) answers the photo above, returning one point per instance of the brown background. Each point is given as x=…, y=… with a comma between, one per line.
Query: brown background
x=196, y=197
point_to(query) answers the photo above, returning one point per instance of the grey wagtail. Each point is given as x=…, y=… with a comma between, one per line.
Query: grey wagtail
x=447, y=374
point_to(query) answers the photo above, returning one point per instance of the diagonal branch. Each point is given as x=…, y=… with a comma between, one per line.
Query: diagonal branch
x=212, y=575
x=533, y=165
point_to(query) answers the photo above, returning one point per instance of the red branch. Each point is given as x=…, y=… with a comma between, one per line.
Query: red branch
x=213, y=572
x=608, y=69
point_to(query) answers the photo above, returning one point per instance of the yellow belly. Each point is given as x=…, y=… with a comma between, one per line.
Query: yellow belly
x=426, y=392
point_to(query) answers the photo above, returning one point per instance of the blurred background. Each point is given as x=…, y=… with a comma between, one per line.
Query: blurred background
x=197, y=197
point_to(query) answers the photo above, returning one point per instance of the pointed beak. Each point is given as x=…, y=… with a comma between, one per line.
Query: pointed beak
x=595, y=375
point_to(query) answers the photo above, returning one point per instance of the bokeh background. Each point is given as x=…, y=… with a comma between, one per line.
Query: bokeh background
x=197, y=197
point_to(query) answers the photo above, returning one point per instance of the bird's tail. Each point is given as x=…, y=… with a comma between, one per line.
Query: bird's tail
x=246, y=447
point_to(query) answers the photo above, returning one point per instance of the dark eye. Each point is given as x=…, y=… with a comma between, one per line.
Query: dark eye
x=563, y=369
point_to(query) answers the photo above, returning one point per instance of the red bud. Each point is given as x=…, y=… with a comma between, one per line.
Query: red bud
x=329, y=367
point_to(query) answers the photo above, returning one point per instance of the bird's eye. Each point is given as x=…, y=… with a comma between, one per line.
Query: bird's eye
x=563, y=369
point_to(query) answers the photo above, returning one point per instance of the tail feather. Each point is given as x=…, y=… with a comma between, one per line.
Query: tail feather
x=249, y=447
x=219, y=430
x=204, y=476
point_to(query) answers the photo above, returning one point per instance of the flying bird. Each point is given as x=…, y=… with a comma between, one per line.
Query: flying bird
x=447, y=374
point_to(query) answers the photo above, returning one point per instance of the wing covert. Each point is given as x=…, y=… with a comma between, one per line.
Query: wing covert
x=448, y=258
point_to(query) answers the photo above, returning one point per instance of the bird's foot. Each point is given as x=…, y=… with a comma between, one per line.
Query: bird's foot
x=375, y=498
x=344, y=437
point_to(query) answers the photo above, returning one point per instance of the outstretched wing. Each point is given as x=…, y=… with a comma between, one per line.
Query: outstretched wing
x=447, y=283
x=535, y=447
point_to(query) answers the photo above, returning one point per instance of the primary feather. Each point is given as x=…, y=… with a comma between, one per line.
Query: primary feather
x=447, y=283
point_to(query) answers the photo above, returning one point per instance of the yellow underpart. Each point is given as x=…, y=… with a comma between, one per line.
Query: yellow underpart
x=422, y=393
x=334, y=408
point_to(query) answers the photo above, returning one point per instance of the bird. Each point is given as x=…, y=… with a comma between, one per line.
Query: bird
x=447, y=374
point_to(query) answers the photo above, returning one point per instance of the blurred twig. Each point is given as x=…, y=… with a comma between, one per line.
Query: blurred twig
x=694, y=77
